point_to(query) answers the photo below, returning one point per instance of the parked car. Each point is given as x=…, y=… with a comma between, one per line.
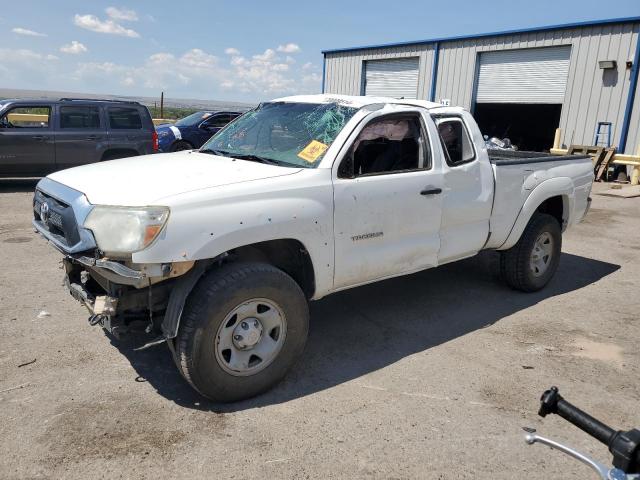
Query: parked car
x=192, y=131
x=38, y=137
x=217, y=251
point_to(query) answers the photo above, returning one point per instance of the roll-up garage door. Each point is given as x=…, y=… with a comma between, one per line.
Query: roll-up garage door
x=396, y=78
x=530, y=75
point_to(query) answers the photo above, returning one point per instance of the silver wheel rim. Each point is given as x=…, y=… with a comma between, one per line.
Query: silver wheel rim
x=250, y=337
x=542, y=254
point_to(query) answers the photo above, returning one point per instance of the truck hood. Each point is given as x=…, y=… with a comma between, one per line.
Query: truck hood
x=140, y=181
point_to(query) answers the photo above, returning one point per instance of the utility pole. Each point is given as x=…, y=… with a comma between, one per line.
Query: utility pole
x=161, y=104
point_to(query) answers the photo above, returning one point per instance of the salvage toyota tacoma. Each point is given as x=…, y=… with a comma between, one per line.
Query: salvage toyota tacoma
x=217, y=251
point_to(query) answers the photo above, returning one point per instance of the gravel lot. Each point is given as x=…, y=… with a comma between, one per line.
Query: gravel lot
x=426, y=376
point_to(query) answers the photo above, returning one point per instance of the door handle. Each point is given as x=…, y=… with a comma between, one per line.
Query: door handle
x=91, y=137
x=40, y=138
x=431, y=191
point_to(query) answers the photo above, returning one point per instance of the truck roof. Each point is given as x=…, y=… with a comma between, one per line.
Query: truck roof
x=356, y=101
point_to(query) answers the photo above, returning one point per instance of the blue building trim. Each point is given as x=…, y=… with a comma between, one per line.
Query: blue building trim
x=562, y=26
x=324, y=66
x=434, y=71
x=633, y=85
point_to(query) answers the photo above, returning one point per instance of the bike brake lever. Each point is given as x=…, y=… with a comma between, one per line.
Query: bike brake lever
x=604, y=472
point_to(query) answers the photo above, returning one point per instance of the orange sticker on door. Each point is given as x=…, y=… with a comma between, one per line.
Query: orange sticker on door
x=312, y=151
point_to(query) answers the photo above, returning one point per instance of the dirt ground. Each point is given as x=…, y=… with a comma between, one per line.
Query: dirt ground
x=426, y=376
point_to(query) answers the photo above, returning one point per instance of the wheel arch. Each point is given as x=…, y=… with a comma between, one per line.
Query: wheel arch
x=554, y=197
x=287, y=254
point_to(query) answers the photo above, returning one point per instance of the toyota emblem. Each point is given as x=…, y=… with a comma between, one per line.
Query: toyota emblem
x=44, y=212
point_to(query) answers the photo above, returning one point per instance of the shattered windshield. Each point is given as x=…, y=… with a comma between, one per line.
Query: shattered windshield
x=282, y=133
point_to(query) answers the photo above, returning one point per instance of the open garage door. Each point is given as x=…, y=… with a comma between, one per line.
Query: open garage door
x=519, y=94
x=396, y=78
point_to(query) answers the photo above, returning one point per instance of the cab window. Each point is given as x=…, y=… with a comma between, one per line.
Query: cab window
x=456, y=141
x=388, y=144
x=218, y=121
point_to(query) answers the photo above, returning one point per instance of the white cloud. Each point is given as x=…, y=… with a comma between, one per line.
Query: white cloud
x=74, y=48
x=308, y=66
x=30, y=33
x=232, y=51
x=93, y=23
x=198, y=73
x=268, y=55
x=289, y=48
x=123, y=14
x=23, y=55
x=197, y=58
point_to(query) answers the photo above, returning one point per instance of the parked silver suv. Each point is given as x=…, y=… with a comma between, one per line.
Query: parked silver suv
x=38, y=137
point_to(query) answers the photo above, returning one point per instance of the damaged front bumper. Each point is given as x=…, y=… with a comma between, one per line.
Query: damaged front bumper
x=118, y=296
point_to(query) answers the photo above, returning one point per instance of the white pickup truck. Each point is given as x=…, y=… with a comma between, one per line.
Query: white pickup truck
x=217, y=251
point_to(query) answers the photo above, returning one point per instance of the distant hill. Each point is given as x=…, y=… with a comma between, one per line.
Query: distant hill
x=182, y=103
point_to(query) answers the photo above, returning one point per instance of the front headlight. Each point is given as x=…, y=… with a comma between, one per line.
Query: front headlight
x=124, y=230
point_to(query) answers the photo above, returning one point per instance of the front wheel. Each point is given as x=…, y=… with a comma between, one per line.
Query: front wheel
x=530, y=263
x=181, y=145
x=243, y=327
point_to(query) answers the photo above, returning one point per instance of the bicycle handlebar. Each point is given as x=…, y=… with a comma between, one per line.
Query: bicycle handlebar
x=552, y=402
x=625, y=446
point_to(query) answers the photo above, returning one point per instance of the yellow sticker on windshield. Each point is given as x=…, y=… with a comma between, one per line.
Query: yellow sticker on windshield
x=311, y=152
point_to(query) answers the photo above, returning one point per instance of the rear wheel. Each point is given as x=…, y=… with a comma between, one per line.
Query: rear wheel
x=243, y=327
x=532, y=262
x=181, y=145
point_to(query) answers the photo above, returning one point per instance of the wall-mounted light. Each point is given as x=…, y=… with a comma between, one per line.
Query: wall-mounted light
x=607, y=64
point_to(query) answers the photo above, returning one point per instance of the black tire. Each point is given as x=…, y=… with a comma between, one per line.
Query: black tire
x=213, y=298
x=515, y=263
x=181, y=145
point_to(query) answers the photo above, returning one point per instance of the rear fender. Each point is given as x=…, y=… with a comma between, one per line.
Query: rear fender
x=559, y=186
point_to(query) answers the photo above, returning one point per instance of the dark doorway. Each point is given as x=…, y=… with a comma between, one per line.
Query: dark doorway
x=529, y=126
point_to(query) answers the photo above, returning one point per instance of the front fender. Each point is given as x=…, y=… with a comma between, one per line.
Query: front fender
x=559, y=186
x=203, y=226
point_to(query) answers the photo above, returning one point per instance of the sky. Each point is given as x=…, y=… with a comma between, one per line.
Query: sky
x=244, y=51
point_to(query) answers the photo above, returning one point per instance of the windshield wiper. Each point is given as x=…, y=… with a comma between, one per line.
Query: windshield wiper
x=221, y=153
x=250, y=158
x=255, y=158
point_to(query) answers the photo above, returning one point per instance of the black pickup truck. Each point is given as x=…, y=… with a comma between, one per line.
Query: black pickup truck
x=38, y=137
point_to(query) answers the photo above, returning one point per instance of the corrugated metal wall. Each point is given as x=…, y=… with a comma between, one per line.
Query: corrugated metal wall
x=343, y=71
x=592, y=94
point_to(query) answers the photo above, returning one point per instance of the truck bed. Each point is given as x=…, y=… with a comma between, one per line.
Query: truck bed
x=516, y=157
x=518, y=173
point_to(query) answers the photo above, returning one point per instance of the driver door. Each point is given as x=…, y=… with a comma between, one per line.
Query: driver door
x=27, y=144
x=388, y=202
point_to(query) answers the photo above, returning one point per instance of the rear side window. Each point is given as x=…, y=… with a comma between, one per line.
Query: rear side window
x=123, y=118
x=79, y=117
x=455, y=141
x=27, y=117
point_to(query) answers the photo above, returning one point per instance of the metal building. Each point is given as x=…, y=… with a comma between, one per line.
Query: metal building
x=521, y=84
